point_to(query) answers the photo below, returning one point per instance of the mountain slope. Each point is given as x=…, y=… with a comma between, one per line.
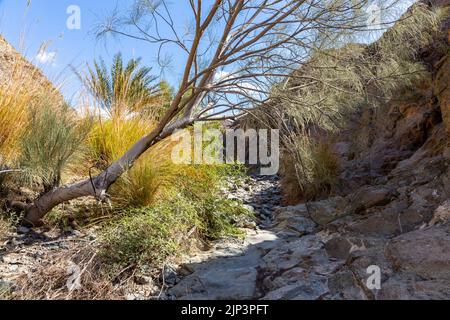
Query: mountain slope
x=13, y=66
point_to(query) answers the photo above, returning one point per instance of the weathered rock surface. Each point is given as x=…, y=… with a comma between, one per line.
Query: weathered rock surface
x=422, y=253
x=297, y=258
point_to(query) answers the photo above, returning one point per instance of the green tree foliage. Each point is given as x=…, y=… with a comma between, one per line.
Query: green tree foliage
x=126, y=88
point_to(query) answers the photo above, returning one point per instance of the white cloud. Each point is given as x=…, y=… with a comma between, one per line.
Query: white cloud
x=45, y=57
x=221, y=75
x=246, y=87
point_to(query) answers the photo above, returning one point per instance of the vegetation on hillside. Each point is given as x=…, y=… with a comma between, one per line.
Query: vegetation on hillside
x=320, y=98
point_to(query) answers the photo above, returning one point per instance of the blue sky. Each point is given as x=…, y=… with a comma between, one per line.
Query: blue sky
x=45, y=22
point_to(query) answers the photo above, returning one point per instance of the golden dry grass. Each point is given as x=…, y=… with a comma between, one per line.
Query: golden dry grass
x=25, y=86
x=5, y=227
x=111, y=138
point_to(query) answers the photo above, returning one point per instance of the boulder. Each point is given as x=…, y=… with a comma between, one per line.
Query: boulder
x=398, y=288
x=309, y=287
x=296, y=225
x=441, y=214
x=369, y=197
x=218, y=284
x=390, y=221
x=338, y=248
x=344, y=286
x=292, y=254
x=326, y=211
x=422, y=253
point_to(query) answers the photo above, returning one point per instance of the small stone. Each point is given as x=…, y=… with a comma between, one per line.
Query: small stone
x=142, y=280
x=134, y=297
x=170, y=275
x=249, y=225
x=23, y=230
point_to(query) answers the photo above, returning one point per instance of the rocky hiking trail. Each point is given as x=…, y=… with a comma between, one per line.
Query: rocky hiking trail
x=281, y=258
x=230, y=269
x=317, y=251
x=323, y=250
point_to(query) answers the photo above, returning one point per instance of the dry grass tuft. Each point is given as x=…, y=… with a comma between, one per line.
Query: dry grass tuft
x=57, y=279
x=24, y=86
x=5, y=228
x=111, y=138
x=313, y=167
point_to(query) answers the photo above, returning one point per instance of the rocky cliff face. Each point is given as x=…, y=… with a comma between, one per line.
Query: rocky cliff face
x=392, y=210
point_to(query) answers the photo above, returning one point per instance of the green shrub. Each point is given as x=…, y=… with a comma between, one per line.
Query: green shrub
x=219, y=217
x=51, y=141
x=151, y=235
x=147, y=235
x=157, y=203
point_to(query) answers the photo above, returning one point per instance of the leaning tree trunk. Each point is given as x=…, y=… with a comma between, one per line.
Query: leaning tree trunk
x=99, y=185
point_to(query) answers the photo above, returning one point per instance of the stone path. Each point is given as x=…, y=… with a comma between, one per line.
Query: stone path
x=211, y=271
x=324, y=252
x=266, y=265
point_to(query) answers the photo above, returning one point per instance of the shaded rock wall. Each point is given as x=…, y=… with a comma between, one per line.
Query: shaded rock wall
x=442, y=90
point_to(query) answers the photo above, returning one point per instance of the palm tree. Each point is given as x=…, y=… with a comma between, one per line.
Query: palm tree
x=125, y=89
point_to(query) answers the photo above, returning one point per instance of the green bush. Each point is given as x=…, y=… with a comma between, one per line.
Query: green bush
x=147, y=235
x=151, y=235
x=159, y=207
x=219, y=217
x=51, y=141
